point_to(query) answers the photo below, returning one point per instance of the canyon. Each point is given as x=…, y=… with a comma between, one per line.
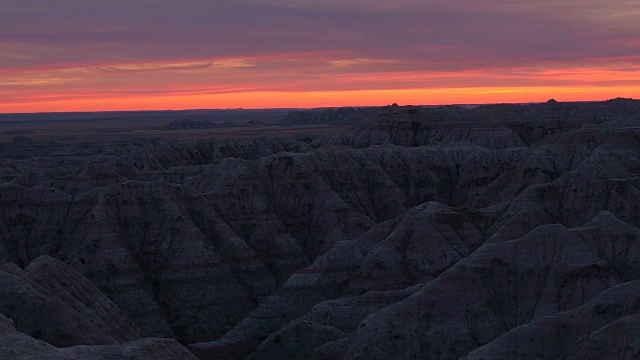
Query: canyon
x=507, y=231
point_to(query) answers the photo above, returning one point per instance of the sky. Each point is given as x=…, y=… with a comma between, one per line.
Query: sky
x=88, y=55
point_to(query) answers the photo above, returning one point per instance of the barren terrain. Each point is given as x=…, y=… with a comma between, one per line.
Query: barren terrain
x=492, y=232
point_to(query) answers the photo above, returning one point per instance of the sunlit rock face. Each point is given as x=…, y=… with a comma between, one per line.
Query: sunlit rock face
x=498, y=232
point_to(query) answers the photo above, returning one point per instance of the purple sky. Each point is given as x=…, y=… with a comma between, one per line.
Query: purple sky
x=122, y=49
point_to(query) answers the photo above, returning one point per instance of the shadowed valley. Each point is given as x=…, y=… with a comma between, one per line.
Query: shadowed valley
x=487, y=232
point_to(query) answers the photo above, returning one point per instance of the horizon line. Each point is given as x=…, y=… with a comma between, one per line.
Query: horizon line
x=304, y=108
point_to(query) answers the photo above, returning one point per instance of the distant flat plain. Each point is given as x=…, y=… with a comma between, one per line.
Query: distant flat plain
x=239, y=123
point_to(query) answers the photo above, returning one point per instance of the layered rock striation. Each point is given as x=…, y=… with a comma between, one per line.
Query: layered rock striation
x=497, y=232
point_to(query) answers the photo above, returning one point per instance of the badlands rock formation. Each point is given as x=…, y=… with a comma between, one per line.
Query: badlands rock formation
x=495, y=232
x=16, y=345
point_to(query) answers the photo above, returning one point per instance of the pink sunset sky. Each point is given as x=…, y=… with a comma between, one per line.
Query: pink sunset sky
x=72, y=55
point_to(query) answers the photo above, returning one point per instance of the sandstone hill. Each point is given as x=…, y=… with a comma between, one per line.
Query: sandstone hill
x=493, y=232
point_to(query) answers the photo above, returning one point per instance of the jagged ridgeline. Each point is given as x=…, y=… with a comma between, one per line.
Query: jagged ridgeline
x=484, y=232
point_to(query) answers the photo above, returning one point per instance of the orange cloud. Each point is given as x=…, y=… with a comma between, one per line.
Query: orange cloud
x=306, y=80
x=361, y=62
